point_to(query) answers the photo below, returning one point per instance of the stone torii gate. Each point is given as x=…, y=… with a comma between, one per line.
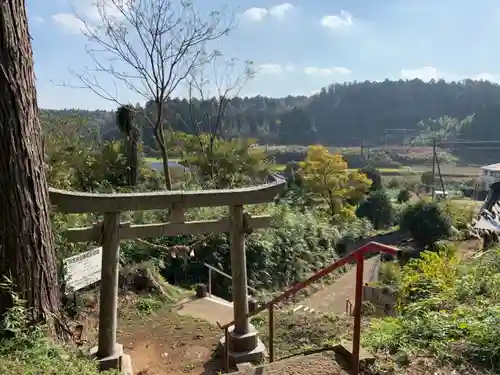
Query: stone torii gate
x=243, y=340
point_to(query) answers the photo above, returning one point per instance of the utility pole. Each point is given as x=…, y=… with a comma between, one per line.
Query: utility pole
x=440, y=175
x=433, y=167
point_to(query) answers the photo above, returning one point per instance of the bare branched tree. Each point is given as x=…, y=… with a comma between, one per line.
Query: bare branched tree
x=150, y=47
x=211, y=88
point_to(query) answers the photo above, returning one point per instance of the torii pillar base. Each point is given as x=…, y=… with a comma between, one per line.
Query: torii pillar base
x=117, y=361
x=243, y=348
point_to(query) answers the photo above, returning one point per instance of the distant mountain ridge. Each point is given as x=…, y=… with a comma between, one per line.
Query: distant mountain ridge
x=345, y=114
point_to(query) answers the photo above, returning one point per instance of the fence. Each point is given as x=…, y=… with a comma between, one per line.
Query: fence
x=357, y=256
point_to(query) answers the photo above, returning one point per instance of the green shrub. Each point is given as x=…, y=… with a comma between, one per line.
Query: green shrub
x=390, y=273
x=297, y=244
x=374, y=175
x=450, y=309
x=393, y=183
x=378, y=209
x=25, y=350
x=426, y=223
x=233, y=162
x=433, y=273
x=403, y=196
x=459, y=213
x=399, y=209
x=148, y=305
x=445, y=248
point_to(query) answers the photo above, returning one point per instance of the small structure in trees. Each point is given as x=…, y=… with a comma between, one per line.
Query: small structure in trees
x=125, y=121
x=243, y=337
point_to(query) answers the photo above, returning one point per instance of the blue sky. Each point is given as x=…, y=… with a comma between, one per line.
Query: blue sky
x=298, y=46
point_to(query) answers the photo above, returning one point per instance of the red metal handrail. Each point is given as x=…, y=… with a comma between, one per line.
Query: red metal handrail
x=358, y=256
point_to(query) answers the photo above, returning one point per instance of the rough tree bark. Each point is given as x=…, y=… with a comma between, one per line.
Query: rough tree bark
x=26, y=242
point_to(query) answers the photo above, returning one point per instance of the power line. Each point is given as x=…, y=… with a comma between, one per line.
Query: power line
x=468, y=141
x=480, y=148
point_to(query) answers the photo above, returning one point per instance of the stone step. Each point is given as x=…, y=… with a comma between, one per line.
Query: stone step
x=324, y=363
x=210, y=309
x=345, y=350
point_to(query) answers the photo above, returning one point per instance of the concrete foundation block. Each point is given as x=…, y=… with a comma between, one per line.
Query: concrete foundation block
x=242, y=342
x=117, y=361
x=126, y=365
x=256, y=355
x=243, y=347
x=244, y=366
x=345, y=351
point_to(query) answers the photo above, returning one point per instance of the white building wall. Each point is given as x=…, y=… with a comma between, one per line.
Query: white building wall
x=489, y=177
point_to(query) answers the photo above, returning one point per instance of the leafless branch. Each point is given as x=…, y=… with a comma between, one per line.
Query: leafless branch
x=210, y=90
x=216, y=82
x=149, y=47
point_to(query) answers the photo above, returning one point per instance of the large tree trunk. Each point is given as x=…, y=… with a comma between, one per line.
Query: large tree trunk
x=26, y=242
x=166, y=169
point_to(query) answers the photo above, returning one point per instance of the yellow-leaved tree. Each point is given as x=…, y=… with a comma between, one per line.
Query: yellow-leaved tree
x=326, y=175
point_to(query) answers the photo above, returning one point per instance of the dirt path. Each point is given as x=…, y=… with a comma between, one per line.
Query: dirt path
x=333, y=297
x=160, y=342
x=168, y=343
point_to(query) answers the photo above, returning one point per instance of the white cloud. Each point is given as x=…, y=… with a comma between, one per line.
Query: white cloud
x=340, y=21
x=88, y=12
x=270, y=69
x=487, y=77
x=38, y=19
x=279, y=11
x=255, y=14
x=274, y=69
x=425, y=73
x=313, y=70
x=68, y=22
x=258, y=14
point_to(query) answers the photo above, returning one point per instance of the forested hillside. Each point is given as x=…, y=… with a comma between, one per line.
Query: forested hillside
x=373, y=113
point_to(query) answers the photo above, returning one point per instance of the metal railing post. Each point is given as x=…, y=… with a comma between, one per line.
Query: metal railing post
x=271, y=333
x=212, y=268
x=358, y=256
x=226, y=349
x=358, y=300
x=209, y=282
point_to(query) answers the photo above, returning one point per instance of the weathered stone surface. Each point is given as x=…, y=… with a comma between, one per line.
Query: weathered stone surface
x=112, y=362
x=345, y=351
x=324, y=363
